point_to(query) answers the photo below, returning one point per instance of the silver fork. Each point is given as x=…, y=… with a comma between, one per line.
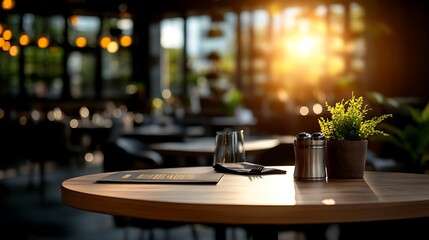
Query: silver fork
x=256, y=168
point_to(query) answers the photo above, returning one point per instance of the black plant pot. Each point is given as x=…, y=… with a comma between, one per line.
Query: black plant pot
x=346, y=159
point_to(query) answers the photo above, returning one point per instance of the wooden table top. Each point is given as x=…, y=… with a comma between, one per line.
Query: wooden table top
x=259, y=199
x=204, y=146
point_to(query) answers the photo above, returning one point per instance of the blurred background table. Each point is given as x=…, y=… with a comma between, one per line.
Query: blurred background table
x=154, y=133
x=199, y=151
x=204, y=146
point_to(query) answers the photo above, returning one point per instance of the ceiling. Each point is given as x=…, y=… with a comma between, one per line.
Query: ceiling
x=100, y=7
x=138, y=7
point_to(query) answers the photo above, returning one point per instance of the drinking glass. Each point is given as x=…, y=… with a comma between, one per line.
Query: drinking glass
x=229, y=147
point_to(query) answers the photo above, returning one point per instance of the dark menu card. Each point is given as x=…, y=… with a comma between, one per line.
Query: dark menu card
x=145, y=176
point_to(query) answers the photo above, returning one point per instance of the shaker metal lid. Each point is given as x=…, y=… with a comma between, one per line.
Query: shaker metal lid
x=309, y=143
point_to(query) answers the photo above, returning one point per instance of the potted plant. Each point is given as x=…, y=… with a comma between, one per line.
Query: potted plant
x=409, y=135
x=346, y=132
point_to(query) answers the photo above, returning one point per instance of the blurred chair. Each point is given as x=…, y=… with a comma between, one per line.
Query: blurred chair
x=13, y=142
x=131, y=154
x=127, y=154
x=49, y=141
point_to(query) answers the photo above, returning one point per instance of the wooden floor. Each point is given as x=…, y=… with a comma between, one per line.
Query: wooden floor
x=26, y=213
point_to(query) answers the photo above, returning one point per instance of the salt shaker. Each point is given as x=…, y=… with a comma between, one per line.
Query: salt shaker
x=310, y=151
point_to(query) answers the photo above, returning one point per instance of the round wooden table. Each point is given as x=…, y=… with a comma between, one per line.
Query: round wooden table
x=259, y=199
x=275, y=199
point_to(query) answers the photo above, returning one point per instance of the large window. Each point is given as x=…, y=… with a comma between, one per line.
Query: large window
x=80, y=67
x=42, y=55
x=281, y=56
x=171, y=40
x=116, y=65
x=210, y=58
x=9, y=63
x=54, y=57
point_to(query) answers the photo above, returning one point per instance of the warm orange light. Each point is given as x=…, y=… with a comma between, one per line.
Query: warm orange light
x=8, y=4
x=125, y=41
x=303, y=110
x=104, y=41
x=337, y=43
x=336, y=65
x=112, y=47
x=58, y=114
x=274, y=8
x=14, y=51
x=1, y=28
x=84, y=112
x=7, y=34
x=43, y=42
x=74, y=123
x=283, y=96
x=317, y=108
x=80, y=42
x=6, y=46
x=74, y=19
x=1, y=42
x=304, y=46
x=24, y=39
